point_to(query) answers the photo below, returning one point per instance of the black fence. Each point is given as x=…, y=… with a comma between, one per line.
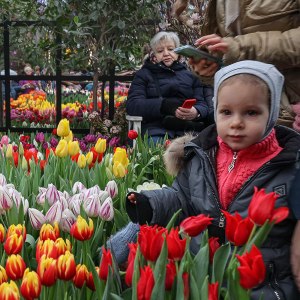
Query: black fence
x=58, y=78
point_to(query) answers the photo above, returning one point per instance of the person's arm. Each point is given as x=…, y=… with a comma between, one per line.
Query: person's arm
x=295, y=254
x=138, y=104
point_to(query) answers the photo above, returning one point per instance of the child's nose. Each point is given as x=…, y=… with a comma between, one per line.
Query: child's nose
x=237, y=121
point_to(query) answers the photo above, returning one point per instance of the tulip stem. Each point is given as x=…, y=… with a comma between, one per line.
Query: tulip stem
x=251, y=237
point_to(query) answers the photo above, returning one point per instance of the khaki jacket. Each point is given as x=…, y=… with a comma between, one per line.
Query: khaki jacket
x=267, y=31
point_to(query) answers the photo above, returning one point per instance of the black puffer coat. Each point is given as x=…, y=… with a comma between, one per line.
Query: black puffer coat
x=175, y=82
x=195, y=191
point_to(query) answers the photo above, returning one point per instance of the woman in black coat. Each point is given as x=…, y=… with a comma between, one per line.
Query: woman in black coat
x=160, y=88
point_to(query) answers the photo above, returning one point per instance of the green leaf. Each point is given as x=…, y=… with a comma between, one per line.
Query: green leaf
x=170, y=225
x=204, y=289
x=260, y=235
x=158, y=292
x=99, y=285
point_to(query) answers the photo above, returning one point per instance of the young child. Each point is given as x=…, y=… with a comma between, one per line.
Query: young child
x=224, y=163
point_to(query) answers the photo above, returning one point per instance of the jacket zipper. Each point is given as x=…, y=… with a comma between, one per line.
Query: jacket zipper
x=231, y=166
x=273, y=283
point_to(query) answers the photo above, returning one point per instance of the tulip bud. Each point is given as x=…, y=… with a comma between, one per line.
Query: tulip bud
x=81, y=230
x=13, y=244
x=4, y=140
x=21, y=149
x=112, y=189
x=9, y=151
x=107, y=210
x=54, y=213
x=9, y=291
x=73, y=148
x=132, y=134
x=24, y=164
x=89, y=157
x=92, y=206
x=47, y=270
x=40, y=198
x=49, y=232
x=119, y=170
x=81, y=162
x=62, y=148
x=69, y=137
x=67, y=220
x=37, y=219
x=100, y=146
x=78, y=187
x=15, y=267
x=6, y=202
x=52, y=194
x=63, y=128
x=3, y=275
x=66, y=266
x=81, y=276
x=31, y=285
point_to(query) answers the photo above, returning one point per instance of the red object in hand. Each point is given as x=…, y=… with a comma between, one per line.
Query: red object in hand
x=189, y=103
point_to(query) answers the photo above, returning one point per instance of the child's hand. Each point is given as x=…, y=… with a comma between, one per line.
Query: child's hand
x=295, y=255
x=132, y=198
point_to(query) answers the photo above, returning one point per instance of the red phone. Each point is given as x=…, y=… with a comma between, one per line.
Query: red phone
x=189, y=103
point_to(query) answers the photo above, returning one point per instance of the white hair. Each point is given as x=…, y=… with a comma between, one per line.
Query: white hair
x=164, y=36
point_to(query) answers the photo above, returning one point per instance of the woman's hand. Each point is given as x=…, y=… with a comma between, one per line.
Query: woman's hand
x=186, y=113
x=213, y=43
x=132, y=198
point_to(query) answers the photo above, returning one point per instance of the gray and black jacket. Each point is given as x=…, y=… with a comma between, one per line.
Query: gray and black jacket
x=195, y=192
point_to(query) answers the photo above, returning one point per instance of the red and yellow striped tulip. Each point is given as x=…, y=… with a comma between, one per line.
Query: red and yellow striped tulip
x=2, y=233
x=49, y=232
x=46, y=248
x=66, y=266
x=62, y=246
x=18, y=229
x=13, y=244
x=31, y=285
x=81, y=276
x=47, y=270
x=3, y=275
x=81, y=230
x=15, y=267
x=9, y=291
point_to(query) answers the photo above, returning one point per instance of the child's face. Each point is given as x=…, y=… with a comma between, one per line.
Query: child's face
x=242, y=114
x=164, y=52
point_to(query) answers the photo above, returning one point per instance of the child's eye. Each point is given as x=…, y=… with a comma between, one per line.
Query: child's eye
x=252, y=112
x=225, y=112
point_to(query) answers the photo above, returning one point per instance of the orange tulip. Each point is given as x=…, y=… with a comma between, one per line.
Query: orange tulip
x=81, y=276
x=9, y=291
x=13, y=244
x=31, y=285
x=81, y=230
x=49, y=232
x=47, y=270
x=66, y=266
x=15, y=267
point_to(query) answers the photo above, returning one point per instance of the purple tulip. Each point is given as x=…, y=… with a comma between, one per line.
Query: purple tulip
x=40, y=137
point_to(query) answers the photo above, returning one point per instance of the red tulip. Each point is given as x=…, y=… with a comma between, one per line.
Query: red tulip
x=170, y=275
x=3, y=275
x=13, y=244
x=49, y=232
x=262, y=208
x=145, y=284
x=15, y=267
x=81, y=230
x=252, y=269
x=195, y=225
x=130, y=266
x=214, y=245
x=151, y=239
x=213, y=291
x=176, y=246
x=106, y=261
x=90, y=280
x=81, y=276
x=132, y=134
x=47, y=270
x=66, y=266
x=31, y=285
x=237, y=230
x=9, y=291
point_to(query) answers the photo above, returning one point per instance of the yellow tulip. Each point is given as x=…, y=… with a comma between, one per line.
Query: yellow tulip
x=62, y=148
x=21, y=149
x=69, y=137
x=63, y=128
x=81, y=162
x=120, y=156
x=9, y=151
x=73, y=148
x=119, y=169
x=89, y=157
x=100, y=146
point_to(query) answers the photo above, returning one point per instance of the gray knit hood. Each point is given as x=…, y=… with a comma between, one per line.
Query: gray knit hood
x=268, y=73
